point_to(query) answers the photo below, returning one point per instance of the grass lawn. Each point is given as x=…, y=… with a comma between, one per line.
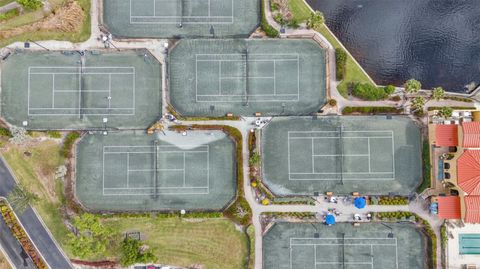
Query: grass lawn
x=251, y=237
x=353, y=72
x=33, y=16
x=300, y=11
x=44, y=160
x=211, y=243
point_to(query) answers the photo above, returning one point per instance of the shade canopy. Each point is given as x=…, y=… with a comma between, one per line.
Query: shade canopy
x=330, y=219
x=360, y=202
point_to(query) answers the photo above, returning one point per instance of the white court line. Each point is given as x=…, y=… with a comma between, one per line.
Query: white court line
x=184, y=186
x=77, y=109
x=314, y=245
x=208, y=19
x=221, y=78
x=291, y=176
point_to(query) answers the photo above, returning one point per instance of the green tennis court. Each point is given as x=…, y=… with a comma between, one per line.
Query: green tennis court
x=469, y=243
x=371, y=155
x=181, y=18
x=280, y=77
x=342, y=246
x=135, y=171
x=81, y=90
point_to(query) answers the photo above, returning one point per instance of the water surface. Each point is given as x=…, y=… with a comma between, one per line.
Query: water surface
x=434, y=41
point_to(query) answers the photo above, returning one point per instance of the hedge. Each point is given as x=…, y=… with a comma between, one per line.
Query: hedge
x=426, y=183
x=266, y=27
x=431, y=108
x=367, y=91
x=68, y=143
x=371, y=110
x=340, y=63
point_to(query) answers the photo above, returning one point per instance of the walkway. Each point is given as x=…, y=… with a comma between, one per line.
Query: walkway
x=54, y=255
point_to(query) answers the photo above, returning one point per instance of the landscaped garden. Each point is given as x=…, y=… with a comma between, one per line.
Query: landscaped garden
x=195, y=239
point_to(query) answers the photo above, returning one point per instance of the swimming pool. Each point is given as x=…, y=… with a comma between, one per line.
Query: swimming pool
x=469, y=244
x=440, y=170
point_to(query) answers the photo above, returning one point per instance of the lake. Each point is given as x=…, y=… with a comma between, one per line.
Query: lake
x=434, y=41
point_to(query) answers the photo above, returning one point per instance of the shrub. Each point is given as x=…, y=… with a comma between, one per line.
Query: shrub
x=131, y=253
x=70, y=138
x=254, y=159
x=426, y=167
x=369, y=92
x=445, y=112
x=54, y=134
x=30, y=4
x=266, y=27
x=395, y=98
x=340, y=63
x=371, y=110
x=5, y=132
x=332, y=102
x=389, y=89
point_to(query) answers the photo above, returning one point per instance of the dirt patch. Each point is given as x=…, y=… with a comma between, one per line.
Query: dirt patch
x=67, y=18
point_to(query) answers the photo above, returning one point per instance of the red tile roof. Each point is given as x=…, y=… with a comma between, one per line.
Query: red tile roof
x=472, y=209
x=449, y=207
x=446, y=135
x=471, y=134
x=468, y=172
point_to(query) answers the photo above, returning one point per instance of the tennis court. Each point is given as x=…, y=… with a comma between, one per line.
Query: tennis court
x=281, y=77
x=135, y=171
x=181, y=18
x=372, y=155
x=317, y=246
x=73, y=90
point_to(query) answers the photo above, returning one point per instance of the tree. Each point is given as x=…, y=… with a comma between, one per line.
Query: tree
x=30, y=4
x=412, y=86
x=445, y=112
x=438, y=93
x=418, y=103
x=389, y=89
x=131, y=253
x=20, y=198
x=91, y=236
x=316, y=20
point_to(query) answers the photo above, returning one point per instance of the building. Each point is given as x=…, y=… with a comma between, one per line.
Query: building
x=455, y=158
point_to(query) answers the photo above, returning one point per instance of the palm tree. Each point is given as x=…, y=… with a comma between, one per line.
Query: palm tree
x=316, y=20
x=20, y=198
x=438, y=93
x=412, y=86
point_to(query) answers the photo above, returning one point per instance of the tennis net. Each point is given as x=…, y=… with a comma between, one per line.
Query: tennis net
x=180, y=6
x=246, y=76
x=155, y=171
x=340, y=149
x=81, y=94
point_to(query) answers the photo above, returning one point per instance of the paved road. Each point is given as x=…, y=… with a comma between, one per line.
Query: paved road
x=33, y=226
x=13, y=249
